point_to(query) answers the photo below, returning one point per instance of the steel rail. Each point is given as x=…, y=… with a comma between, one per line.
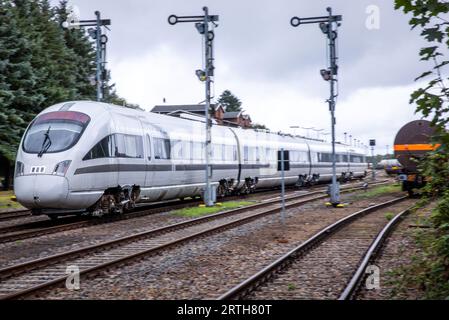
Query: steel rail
x=354, y=284
x=15, y=270
x=264, y=275
x=141, y=211
x=11, y=215
x=18, y=269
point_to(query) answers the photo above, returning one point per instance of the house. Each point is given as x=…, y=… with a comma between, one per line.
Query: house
x=197, y=109
x=196, y=112
x=237, y=119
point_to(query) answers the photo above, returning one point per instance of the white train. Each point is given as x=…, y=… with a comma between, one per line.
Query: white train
x=84, y=155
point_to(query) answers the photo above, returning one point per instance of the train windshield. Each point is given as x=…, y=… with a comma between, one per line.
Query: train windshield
x=55, y=132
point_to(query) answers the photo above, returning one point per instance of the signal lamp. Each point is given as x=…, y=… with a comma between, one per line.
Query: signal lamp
x=326, y=74
x=201, y=75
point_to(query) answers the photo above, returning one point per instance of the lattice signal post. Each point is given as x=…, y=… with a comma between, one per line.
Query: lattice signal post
x=202, y=25
x=329, y=25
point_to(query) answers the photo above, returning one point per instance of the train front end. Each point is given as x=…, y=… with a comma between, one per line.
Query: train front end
x=44, y=159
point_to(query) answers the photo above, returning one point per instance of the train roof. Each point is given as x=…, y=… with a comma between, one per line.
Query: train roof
x=96, y=109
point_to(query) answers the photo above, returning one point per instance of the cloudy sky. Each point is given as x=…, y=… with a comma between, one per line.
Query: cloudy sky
x=272, y=67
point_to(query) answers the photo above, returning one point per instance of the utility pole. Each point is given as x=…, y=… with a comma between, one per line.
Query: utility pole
x=283, y=165
x=99, y=77
x=100, y=41
x=282, y=186
x=372, y=143
x=202, y=25
x=329, y=25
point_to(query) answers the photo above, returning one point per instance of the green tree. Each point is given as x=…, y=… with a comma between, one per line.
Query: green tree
x=51, y=60
x=41, y=64
x=230, y=102
x=433, y=101
x=18, y=82
x=82, y=52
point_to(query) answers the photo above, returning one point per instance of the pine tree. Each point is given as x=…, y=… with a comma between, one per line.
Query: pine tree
x=230, y=102
x=82, y=51
x=51, y=59
x=18, y=82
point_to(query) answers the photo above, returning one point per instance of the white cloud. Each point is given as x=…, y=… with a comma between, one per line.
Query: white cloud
x=161, y=73
x=367, y=113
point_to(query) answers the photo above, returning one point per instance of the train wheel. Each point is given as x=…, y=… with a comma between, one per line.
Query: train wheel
x=221, y=191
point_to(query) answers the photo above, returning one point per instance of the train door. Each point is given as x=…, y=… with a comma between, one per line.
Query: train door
x=237, y=156
x=149, y=160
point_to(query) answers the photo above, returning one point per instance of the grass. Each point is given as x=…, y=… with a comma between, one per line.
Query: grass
x=378, y=191
x=201, y=210
x=389, y=216
x=6, y=202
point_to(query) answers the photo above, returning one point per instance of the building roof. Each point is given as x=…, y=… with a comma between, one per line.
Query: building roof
x=232, y=115
x=183, y=107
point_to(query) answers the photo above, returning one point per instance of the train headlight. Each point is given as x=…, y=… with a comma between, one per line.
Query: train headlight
x=19, y=169
x=62, y=167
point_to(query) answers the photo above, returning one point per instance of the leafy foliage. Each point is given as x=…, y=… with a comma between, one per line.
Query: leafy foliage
x=41, y=64
x=432, y=101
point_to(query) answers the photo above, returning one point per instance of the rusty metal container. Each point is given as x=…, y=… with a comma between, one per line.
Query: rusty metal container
x=412, y=142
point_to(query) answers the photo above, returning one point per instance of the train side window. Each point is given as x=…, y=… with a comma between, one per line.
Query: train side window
x=198, y=150
x=134, y=146
x=246, y=153
x=356, y=159
x=161, y=148
x=267, y=154
x=177, y=149
x=295, y=156
x=324, y=157
x=120, y=150
x=304, y=156
x=212, y=151
x=187, y=150
x=128, y=146
x=217, y=152
x=252, y=154
x=102, y=149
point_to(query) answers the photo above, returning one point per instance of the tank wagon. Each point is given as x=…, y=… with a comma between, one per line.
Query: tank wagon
x=86, y=156
x=411, y=144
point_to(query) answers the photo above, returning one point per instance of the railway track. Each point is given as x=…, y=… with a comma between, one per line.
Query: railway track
x=40, y=228
x=355, y=284
x=31, y=277
x=12, y=215
x=328, y=265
